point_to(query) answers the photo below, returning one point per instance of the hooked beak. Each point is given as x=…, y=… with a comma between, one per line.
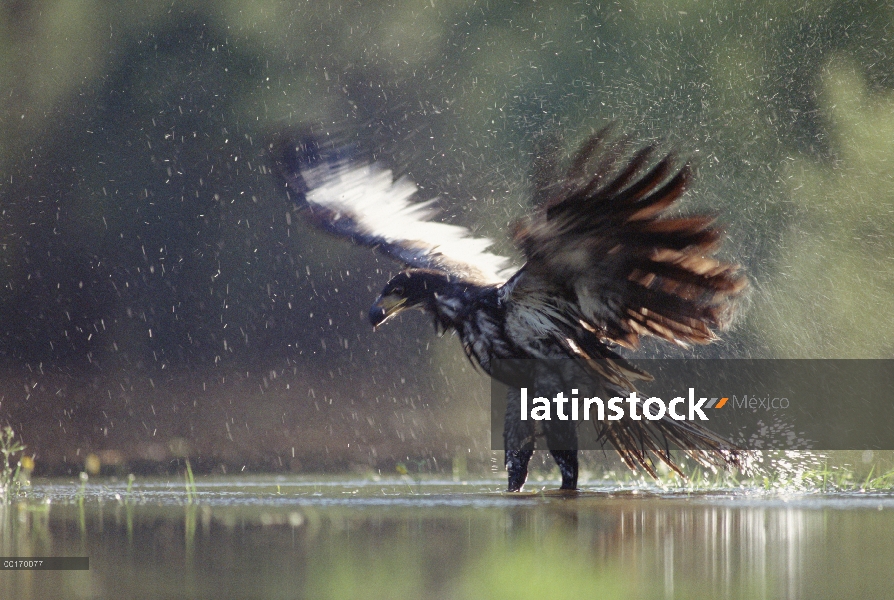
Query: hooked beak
x=385, y=307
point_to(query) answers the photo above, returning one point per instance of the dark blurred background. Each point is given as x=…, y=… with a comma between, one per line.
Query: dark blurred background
x=159, y=302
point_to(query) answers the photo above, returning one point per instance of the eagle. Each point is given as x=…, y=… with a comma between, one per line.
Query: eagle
x=606, y=262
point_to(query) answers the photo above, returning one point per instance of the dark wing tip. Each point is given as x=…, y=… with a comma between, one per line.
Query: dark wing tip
x=592, y=146
x=545, y=178
x=295, y=152
x=305, y=158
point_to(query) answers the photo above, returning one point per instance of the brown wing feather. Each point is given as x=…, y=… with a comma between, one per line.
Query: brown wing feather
x=604, y=246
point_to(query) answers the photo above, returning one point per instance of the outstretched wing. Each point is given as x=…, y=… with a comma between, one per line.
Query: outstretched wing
x=363, y=202
x=613, y=264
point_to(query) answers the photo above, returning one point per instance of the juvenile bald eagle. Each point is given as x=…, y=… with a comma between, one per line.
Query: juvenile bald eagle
x=604, y=266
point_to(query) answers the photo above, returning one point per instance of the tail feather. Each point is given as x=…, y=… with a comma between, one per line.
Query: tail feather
x=638, y=441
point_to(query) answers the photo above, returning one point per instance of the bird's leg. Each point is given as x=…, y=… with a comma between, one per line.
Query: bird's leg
x=560, y=433
x=518, y=437
x=561, y=439
x=567, y=461
x=517, y=467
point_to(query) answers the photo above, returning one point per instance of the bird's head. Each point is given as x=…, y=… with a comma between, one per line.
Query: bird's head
x=415, y=288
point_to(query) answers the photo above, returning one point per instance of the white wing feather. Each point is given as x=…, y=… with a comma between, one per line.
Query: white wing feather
x=365, y=203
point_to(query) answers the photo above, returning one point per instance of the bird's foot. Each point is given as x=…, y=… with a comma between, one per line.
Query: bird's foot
x=567, y=461
x=517, y=467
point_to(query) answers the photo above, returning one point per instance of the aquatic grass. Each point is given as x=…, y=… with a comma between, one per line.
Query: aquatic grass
x=784, y=471
x=128, y=493
x=10, y=448
x=810, y=473
x=79, y=497
x=805, y=478
x=416, y=477
x=830, y=479
x=884, y=481
x=192, y=494
x=845, y=480
x=460, y=466
x=82, y=489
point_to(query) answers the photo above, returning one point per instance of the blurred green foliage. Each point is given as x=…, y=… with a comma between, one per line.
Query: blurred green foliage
x=125, y=124
x=833, y=294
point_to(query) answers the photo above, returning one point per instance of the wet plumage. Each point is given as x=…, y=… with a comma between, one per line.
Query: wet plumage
x=604, y=265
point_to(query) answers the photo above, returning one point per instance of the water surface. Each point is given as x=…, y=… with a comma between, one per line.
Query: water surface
x=289, y=537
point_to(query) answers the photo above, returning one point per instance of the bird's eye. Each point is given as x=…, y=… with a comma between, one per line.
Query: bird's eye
x=398, y=290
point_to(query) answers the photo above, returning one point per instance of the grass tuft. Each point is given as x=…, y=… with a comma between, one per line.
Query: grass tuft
x=12, y=479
